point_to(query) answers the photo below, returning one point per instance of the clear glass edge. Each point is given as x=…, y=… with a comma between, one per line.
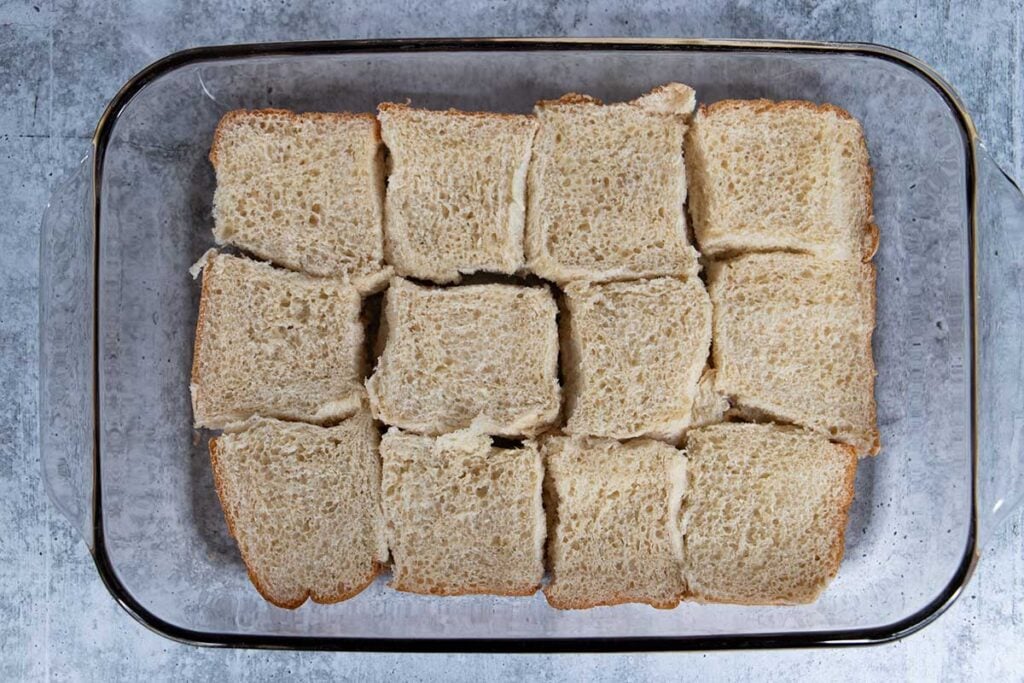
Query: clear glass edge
x=872, y=635
x=1000, y=320
x=64, y=418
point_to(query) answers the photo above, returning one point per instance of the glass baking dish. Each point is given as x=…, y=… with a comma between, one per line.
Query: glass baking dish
x=118, y=309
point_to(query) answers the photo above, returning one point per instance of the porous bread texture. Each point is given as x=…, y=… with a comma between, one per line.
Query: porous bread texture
x=709, y=405
x=765, y=513
x=303, y=503
x=789, y=176
x=481, y=355
x=455, y=201
x=305, y=191
x=615, y=521
x=792, y=340
x=462, y=515
x=274, y=343
x=607, y=185
x=633, y=353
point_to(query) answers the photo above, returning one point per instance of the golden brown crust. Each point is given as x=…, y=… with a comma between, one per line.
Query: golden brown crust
x=204, y=296
x=870, y=241
x=791, y=599
x=839, y=542
x=762, y=105
x=615, y=599
x=569, y=98
x=218, y=484
x=320, y=599
x=870, y=236
x=399, y=107
x=234, y=116
x=876, y=445
x=466, y=590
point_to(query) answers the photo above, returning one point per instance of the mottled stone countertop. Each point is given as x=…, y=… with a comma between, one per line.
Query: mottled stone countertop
x=62, y=60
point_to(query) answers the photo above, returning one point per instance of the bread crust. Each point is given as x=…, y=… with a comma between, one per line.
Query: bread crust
x=453, y=591
x=616, y=599
x=873, y=433
x=569, y=98
x=403, y=107
x=761, y=105
x=195, y=384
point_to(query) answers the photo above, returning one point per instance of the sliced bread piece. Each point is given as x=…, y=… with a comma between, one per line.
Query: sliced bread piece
x=632, y=356
x=456, y=191
x=607, y=186
x=305, y=191
x=303, y=503
x=765, y=514
x=485, y=355
x=792, y=340
x=463, y=516
x=274, y=343
x=615, y=526
x=788, y=176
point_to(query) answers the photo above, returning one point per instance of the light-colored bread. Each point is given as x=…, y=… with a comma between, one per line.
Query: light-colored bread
x=463, y=516
x=790, y=176
x=607, y=186
x=485, y=355
x=615, y=521
x=303, y=503
x=305, y=191
x=633, y=353
x=792, y=340
x=709, y=406
x=765, y=514
x=456, y=191
x=274, y=343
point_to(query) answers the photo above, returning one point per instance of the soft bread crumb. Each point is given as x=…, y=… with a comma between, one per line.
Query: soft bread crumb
x=483, y=354
x=305, y=191
x=766, y=513
x=606, y=189
x=780, y=176
x=303, y=503
x=615, y=528
x=274, y=343
x=456, y=191
x=463, y=516
x=632, y=354
x=792, y=340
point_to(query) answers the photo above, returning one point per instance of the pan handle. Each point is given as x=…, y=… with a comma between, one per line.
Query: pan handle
x=66, y=383
x=999, y=305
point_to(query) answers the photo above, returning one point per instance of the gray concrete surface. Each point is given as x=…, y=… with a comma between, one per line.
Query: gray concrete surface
x=60, y=61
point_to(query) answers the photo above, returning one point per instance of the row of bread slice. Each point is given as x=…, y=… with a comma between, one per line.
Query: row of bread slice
x=577, y=191
x=749, y=513
x=792, y=342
